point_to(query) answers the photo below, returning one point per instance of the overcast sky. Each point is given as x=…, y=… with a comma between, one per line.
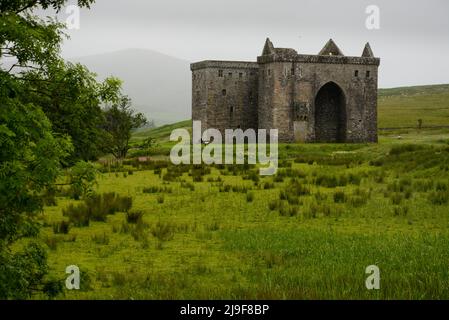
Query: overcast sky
x=412, y=42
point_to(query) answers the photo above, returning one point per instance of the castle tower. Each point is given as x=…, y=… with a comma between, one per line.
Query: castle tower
x=328, y=97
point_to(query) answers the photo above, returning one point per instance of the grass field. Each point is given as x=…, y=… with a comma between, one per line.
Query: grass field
x=309, y=232
x=402, y=107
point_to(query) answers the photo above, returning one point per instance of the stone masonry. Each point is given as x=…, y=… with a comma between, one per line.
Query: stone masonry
x=327, y=97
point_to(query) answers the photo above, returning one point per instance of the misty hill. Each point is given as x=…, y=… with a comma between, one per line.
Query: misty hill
x=159, y=85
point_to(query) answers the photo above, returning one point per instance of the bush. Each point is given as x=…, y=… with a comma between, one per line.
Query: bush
x=139, y=232
x=78, y=215
x=61, y=227
x=101, y=238
x=273, y=205
x=97, y=208
x=423, y=185
x=400, y=211
x=441, y=186
x=152, y=189
x=288, y=211
x=339, y=197
x=52, y=242
x=268, y=185
x=134, y=216
x=250, y=197
x=329, y=181
x=162, y=232
x=396, y=198
x=156, y=189
x=357, y=201
x=188, y=185
x=439, y=197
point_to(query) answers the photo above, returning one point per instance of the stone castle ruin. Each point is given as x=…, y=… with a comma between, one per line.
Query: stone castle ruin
x=327, y=97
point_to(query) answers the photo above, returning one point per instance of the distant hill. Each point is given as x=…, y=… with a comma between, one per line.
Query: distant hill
x=162, y=133
x=402, y=107
x=159, y=85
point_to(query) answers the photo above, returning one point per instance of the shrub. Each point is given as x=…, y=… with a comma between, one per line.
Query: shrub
x=61, y=227
x=160, y=199
x=214, y=226
x=134, y=216
x=156, y=189
x=225, y=188
x=162, y=231
x=78, y=215
x=339, y=197
x=139, y=232
x=101, y=238
x=320, y=196
x=97, y=208
x=125, y=228
x=354, y=179
x=152, y=189
x=273, y=205
x=400, y=211
x=52, y=242
x=441, y=186
x=329, y=181
x=188, y=185
x=268, y=185
x=297, y=188
x=423, y=185
x=396, y=198
x=357, y=200
x=439, y=197
x=288, y=211
x=250, y=197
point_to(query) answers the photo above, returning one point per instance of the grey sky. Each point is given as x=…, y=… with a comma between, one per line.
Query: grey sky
x=413, y=40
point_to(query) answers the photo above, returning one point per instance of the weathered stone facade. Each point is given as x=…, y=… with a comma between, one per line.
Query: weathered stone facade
x=327, y=97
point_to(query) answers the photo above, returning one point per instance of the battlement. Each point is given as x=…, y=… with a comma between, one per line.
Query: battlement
x=223, y=65
x=307, y=58
x=330, y=53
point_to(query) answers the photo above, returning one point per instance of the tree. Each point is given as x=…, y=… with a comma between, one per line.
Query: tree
x=31, y=152
x=72, y=99
x=121, y=120
x=29, y=163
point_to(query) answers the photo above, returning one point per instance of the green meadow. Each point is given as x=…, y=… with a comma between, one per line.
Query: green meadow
x=154, y=230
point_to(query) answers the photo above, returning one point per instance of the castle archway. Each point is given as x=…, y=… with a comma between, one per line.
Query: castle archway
x=330, y=114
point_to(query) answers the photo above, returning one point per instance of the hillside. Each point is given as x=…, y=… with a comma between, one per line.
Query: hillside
x=162, y=133
x=402, y=107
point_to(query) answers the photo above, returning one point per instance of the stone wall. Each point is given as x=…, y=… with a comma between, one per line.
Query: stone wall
x=225, y=94
x=291, y=87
